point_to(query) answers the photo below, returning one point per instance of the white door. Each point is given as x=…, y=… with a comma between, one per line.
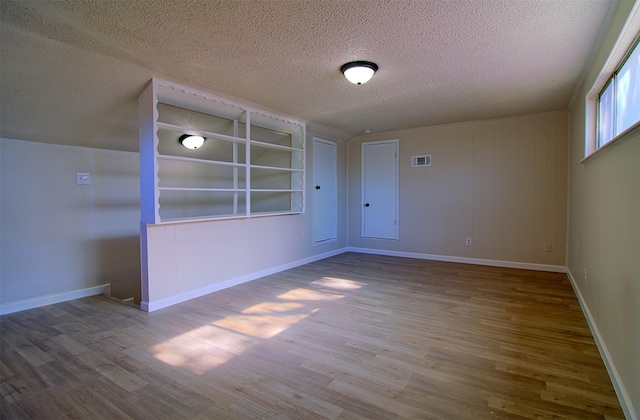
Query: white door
x=380, y=189
x=325, y=190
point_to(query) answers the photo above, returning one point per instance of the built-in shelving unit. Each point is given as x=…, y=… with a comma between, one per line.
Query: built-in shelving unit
x=251, y=164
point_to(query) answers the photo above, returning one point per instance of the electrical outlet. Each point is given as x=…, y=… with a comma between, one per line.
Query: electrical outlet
x=584, y=275
x=547, y=247
x=83, y=178
x=468, y=241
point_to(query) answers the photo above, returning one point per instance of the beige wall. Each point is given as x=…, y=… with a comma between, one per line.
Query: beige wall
x=501, y=182
x=604, y=232
x=187, y=259
x=58, y=237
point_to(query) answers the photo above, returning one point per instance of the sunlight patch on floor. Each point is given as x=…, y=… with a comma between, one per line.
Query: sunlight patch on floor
x=202, y=349
x=336, y=283
x=308, y=294
x=212, y=345
x=209, y=346
x=262, y=326
x=267, y=307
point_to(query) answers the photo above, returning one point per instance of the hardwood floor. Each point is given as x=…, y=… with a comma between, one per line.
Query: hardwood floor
x=353, y=336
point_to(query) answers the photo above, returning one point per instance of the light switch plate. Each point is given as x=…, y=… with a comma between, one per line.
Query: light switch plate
x=83, y=178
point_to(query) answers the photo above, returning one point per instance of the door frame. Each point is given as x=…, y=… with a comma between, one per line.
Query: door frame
x=396, y=142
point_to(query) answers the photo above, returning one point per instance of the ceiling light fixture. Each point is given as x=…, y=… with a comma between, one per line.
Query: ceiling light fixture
x=359, y=72
x=191, y=142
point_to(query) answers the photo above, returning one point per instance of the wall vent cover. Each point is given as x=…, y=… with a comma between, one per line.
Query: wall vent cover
x=424, y=160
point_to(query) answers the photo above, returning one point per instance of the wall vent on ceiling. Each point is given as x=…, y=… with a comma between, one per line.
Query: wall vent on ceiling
x=424, y=160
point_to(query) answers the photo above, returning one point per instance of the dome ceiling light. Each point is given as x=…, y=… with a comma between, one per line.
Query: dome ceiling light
x=359, y=72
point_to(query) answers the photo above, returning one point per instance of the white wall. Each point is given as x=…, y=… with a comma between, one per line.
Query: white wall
x=502, y=183
x=604, y=233
x=186, y=260
x=58, y=237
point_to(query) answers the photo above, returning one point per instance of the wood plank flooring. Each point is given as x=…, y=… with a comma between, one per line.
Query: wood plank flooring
x=351, y=337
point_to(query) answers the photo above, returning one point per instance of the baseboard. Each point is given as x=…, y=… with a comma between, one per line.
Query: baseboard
x=183, y=297
x=463, y=260
x=36, y=302
x=618, y=385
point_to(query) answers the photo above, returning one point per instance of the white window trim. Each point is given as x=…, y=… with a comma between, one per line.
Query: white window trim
x=622, y=45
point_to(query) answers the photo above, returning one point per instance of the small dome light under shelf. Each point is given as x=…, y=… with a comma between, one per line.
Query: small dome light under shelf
x=191, y=141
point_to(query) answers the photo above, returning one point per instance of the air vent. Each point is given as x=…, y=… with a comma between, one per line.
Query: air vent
x=424, y=160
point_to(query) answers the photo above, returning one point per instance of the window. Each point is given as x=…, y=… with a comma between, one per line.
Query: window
x=605, y=115
x=612, y=111
x=628, y=92
x=619, y=101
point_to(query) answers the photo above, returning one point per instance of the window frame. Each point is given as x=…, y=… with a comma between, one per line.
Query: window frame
x=610, y=83
x=627, y=42
x=613, y=82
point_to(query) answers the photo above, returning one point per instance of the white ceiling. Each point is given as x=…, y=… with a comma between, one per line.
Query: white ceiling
x=71, y=71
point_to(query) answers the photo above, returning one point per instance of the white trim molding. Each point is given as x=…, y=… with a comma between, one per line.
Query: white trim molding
x=463, y=260
x=38, y=301
x=618, y=385
x=183, y=297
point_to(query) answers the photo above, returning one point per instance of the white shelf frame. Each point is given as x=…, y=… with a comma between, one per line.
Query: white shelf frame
x=205, y=161
x=163, y=92
x=197, y=132
x=275, y=190
x=276, y=168
x=201, y=189
x=274, y=146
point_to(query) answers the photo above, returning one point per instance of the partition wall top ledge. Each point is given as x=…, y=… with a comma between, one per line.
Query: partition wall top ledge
x=252, y=162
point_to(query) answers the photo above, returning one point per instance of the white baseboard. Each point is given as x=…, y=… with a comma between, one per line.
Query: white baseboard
x=463, y=260
x=618, y=385
x=183, y=297
x=36, y=302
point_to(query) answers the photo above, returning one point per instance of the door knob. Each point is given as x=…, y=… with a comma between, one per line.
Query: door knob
x=366, y=204
x=317, y=187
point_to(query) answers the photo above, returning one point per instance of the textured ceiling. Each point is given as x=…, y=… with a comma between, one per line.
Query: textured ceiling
x=71, y=71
